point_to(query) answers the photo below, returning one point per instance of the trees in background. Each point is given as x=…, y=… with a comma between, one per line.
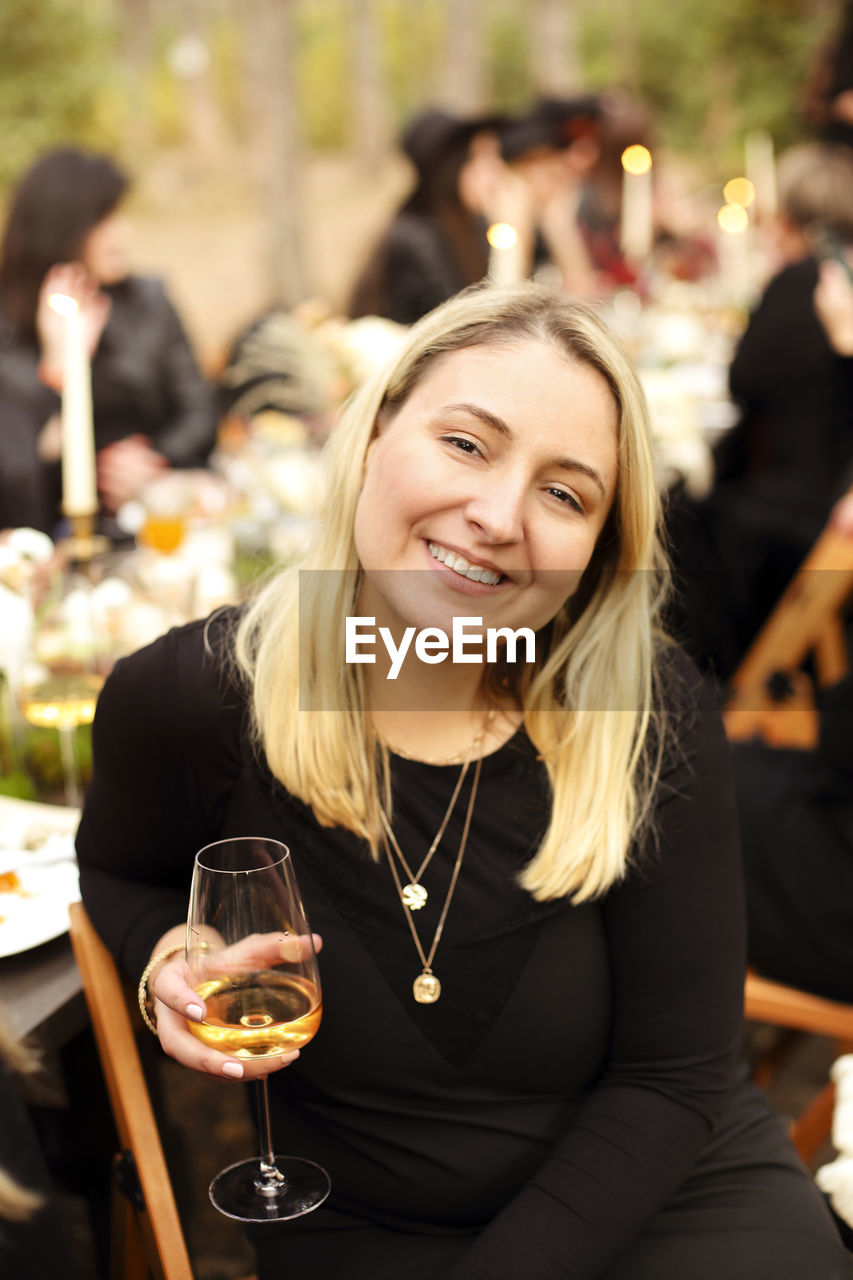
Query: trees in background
x=223, y=79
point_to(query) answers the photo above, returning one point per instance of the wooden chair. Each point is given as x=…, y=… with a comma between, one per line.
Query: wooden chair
x=781, y=1006
x=808, y=621
x=147, y=1240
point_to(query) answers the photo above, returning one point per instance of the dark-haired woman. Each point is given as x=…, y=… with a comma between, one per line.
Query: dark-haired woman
x=152, y=407
x=436, y=243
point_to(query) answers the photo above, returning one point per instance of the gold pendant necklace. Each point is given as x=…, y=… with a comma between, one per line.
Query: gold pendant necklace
x=413, y=893
x=426, y=987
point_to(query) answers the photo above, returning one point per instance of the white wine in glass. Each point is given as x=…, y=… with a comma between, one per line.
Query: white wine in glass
x=251, y=958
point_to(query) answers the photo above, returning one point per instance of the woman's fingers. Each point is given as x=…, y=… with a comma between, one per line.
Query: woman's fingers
x=170, y=985
x=257, y=951
x=179, y=1043
x=176, y=1003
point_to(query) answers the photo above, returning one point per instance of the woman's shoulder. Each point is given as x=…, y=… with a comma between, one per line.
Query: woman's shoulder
x=186, y=676
x=687, y=705
x=138, y=298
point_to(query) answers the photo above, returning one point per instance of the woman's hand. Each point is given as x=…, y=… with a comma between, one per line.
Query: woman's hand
x=73, y=280
x=175, y=1002
x=841, y=519
x=833, y=302
x=125, y=468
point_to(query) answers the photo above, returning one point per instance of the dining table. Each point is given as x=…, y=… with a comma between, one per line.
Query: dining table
x=41, y=995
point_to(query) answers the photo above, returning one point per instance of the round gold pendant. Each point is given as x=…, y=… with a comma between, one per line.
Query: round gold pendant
x=414, y=896
x=426, y=988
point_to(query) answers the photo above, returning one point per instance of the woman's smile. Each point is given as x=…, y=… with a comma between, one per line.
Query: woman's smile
x=485, y=575
x=495, y=477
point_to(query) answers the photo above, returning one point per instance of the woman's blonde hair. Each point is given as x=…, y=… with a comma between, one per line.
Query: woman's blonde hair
x=588, y=703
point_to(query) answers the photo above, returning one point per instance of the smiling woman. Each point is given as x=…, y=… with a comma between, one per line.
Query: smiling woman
x=525, y=873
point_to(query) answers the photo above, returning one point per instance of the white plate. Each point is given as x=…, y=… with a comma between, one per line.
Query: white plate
x=38, y=910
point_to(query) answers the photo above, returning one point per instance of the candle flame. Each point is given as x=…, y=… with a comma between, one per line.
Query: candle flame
x=739, y=191
x=636, y=159
x=501, y=235
x=63, y=304
x=733, y=218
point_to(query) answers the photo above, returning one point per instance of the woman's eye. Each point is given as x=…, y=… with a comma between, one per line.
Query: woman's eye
x=567, y=498
x=462, y=443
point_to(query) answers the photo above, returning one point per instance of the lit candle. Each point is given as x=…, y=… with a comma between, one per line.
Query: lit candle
x=760, y=164
x=733, y=248
x=79, y=489
x=506, y=254
x=637, y=226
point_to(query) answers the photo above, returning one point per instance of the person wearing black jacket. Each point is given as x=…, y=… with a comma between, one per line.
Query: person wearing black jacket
x=783, y=465
x=152, y=407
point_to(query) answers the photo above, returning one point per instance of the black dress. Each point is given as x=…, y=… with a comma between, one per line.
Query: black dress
x=570, y=1106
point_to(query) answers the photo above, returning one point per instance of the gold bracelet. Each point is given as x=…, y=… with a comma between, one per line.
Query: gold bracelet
x=143, y=995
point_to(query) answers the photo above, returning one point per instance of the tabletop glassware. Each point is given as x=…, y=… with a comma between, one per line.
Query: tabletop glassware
x=251, y=958
x=65, y=668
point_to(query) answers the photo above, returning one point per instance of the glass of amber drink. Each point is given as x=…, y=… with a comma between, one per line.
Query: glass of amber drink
x=251, y=958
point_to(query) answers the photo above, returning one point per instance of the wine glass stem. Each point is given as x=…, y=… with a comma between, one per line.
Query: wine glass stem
x=69, y=767
x=271, y=1182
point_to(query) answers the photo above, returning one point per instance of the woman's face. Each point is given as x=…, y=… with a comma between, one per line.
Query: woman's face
x=104, y=250
x=490, y=486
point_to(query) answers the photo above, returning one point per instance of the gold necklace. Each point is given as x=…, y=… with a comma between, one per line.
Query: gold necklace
x=458, y=756
x=414, y=895
x=426, y=987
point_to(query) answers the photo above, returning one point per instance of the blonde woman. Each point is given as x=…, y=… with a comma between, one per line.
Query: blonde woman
x=523, y=861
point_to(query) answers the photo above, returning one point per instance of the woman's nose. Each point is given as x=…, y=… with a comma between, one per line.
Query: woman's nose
x=497, y=509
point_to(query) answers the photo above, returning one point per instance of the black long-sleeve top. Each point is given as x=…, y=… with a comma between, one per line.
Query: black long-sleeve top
x=794, y=445
x=560, y=1091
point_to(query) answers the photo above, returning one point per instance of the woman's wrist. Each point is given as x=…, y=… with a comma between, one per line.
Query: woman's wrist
x=169, y=945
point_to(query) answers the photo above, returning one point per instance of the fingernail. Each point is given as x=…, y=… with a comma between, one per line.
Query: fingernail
x=195, y=1011
x=234, y=1070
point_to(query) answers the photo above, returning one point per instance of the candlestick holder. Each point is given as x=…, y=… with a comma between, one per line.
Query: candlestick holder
x=84, y=544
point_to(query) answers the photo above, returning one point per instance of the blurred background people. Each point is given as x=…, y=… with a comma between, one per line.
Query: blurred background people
x=796, y=807
x=796, y=814
x=781, y=467
x=829, y=94
x=551, y=152
x=153, y=409
x=436, y=243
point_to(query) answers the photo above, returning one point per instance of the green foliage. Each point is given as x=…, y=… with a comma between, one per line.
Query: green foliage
x=43, y=761
x=55, y=73
x=227, y=66
x=323, y=73
x=163, y=94
x=414, y=38
x=710, y=70
x=508, y=70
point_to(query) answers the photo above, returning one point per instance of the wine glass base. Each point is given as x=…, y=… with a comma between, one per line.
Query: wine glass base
x=233, y=1191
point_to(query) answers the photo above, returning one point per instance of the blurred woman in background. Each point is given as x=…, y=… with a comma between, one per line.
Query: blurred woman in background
x=436, y=243
x=152, y=408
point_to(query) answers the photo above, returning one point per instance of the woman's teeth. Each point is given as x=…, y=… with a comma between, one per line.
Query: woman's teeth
x=461, y=566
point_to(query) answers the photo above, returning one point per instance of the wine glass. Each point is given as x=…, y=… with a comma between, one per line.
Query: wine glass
x=251, y=958
x=65, y=669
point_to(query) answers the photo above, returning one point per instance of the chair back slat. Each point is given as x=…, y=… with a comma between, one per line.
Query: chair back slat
x=159, y=1224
